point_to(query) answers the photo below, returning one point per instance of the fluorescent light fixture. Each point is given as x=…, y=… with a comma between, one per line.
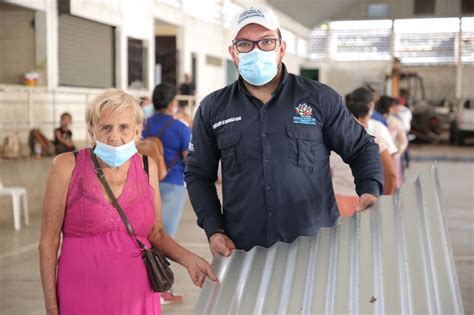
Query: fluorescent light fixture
x=437, y=25
x=467, y=24
x=361, y=25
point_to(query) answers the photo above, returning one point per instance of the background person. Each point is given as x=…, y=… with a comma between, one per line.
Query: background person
x=359, y=103
x=404, y=114
x=187, y=86
x=147, y=106
x=174, y=136
x=100, y=269
x=386, y=106
x=63, y=135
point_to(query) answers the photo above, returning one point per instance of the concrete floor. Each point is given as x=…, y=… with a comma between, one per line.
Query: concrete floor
x=20, y=287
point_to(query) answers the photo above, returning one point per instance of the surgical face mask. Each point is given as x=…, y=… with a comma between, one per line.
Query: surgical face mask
x=115, y=156
x=258, y=67
x=148, y=110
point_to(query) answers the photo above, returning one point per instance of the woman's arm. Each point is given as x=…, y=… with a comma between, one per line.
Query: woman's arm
x=54, y=204
x=197, y=267
x=389, y=175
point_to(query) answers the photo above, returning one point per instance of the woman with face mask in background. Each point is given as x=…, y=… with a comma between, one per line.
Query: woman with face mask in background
x=152, y=146
x=100, y=269
x=147, y=106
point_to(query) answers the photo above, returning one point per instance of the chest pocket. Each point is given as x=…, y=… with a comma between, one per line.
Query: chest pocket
x=226, y=144
x=305, y=144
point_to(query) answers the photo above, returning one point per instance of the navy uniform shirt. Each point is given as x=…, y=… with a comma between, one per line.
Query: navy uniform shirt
x=275, y=161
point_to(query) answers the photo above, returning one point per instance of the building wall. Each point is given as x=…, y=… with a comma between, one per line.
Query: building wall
x=439, y=81
x=344, y=77
x=24, y=108
x=400, y=9
x=16, y=30
x=468, y=81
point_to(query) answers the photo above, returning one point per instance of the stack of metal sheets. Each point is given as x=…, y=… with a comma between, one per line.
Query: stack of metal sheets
x=393, y=258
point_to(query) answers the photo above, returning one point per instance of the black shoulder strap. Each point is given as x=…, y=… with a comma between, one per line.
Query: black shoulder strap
x=117, y=206
x=75, y=155
x=145, y=164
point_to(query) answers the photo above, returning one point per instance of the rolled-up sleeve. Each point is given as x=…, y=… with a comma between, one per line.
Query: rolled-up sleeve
x=344, y=135
x=201, y=174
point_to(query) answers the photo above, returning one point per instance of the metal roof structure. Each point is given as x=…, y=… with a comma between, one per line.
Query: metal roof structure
x=393, y=258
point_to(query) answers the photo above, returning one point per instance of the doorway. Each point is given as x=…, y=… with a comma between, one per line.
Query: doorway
x=312, y=74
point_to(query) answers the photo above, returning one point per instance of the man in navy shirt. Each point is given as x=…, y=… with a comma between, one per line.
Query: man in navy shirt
x=273, y=133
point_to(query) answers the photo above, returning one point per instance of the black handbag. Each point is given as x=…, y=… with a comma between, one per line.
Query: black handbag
x=160, y=275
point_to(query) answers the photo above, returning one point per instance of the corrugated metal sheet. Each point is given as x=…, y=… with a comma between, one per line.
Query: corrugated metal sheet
x=394, y=258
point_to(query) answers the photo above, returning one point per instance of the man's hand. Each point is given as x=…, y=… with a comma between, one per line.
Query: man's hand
x=221, y=244
x=365, y=201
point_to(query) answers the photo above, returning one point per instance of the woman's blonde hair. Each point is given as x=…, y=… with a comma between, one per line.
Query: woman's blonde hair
x=116, y=100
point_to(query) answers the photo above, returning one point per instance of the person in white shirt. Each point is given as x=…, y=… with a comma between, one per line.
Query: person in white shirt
x=403, y=113
x=386, y=106
x=360, y=103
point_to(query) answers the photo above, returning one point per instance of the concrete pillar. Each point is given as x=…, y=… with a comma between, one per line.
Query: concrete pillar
x=459, y=65
x=52, y=44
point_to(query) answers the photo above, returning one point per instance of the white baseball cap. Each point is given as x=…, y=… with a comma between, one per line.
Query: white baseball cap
x=253, y=14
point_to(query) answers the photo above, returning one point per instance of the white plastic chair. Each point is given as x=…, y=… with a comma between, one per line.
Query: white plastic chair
x=16, y=194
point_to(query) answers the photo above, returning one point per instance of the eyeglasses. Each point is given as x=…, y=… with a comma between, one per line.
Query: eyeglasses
x=265, y=44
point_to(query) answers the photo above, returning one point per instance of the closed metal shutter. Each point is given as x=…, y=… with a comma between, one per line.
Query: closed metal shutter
x=17, y=43
x=86, y=53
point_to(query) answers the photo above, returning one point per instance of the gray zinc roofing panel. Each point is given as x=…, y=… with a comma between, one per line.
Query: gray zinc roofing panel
x=393, y=258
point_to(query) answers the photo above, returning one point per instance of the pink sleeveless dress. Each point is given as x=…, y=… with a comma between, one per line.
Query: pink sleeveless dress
x=100, y=270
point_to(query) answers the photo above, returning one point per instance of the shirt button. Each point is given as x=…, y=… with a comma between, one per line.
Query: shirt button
x=270, y=214
x=268, y=187
x=264, y=135
x=267, y=161
x=264, y=110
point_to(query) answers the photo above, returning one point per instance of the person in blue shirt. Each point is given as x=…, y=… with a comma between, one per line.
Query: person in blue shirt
x=175, y=137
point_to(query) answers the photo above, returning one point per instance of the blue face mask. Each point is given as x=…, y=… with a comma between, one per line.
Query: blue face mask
x=115, y=156
x=148, y=110
x=258, y=67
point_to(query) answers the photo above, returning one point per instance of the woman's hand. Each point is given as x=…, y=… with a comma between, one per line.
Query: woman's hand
x=199, y=269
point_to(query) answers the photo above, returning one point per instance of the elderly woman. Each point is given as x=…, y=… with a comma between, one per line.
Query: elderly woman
x=100, y=269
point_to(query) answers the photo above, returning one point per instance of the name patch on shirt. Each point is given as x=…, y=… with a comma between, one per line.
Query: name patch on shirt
x=305, y=113
x=223, y=122
x=191, y=145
